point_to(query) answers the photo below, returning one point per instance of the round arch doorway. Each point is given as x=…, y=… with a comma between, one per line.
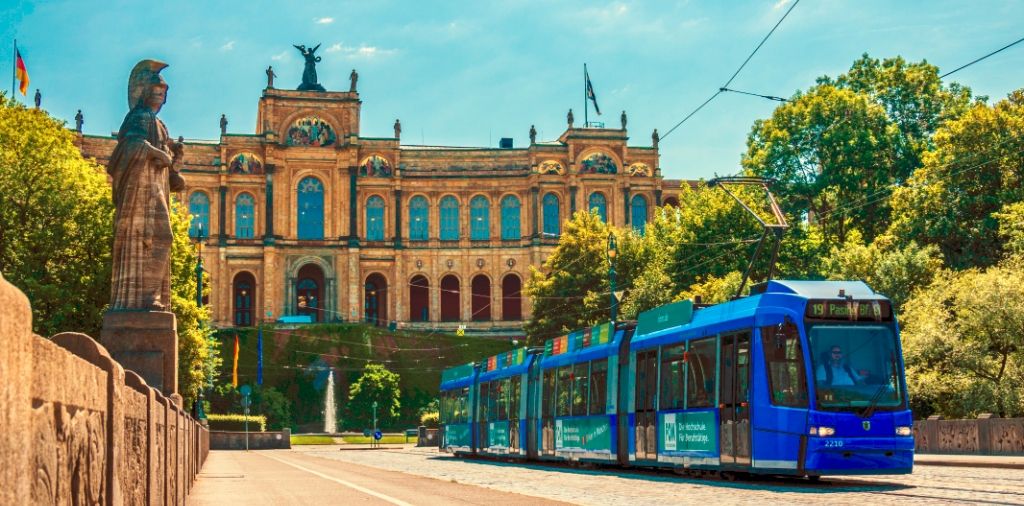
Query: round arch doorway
x=375, y=300
x=309, y=292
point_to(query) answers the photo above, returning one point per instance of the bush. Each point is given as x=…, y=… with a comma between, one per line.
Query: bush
x=430, y=419
x=237, y=422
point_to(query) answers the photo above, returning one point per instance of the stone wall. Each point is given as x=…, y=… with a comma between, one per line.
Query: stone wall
x=79, y=429
x=234, y=440
x=983, y=436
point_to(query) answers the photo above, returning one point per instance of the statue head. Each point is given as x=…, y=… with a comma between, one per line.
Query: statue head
x=146, y=86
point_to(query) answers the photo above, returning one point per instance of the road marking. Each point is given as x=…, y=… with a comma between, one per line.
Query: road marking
x=364, y=490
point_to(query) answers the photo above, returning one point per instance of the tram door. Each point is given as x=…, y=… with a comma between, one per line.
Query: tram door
x=646, y=390
x=734, y=404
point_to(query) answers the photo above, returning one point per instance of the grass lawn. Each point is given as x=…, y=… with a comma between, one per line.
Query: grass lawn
x=312, y=440
x=387, y=439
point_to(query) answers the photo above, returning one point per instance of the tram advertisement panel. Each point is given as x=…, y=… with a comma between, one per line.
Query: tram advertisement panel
x=688, y=431
x=457, y=435
x=587, y=433
x=497, y=434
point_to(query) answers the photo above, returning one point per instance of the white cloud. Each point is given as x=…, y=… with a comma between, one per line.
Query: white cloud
x=283, y=55
x=228, y=46
x=363, y=51
x=324, y=21
x=781, y=3
x=335, y=48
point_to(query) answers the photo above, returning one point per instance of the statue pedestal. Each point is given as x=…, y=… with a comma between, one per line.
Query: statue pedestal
x=145, y=342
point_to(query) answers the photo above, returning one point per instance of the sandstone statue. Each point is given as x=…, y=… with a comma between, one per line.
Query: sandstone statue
x=353, y=79
x=309, y=80
x=223, y=124
x=144, y=169
x=623, y=119
x=398, y=129
x=533, y=135
x=79, y=119
x=270, y=77
x=569, y=118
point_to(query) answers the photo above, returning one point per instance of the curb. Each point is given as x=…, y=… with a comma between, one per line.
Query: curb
x=955, y=463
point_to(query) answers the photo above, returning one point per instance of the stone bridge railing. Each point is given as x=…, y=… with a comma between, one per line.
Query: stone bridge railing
x=985, y=435
x=76, y=428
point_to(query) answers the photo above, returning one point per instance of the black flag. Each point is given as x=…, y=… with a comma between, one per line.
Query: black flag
x=590, y=92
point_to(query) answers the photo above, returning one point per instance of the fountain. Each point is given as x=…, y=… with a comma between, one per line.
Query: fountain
x=330, y=410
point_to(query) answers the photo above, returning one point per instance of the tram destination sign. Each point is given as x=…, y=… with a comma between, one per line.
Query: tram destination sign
x=871, y=310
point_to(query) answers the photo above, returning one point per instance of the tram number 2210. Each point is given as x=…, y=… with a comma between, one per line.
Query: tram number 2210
x=833, y=443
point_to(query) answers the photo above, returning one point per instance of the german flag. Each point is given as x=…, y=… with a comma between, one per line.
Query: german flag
x=20, y=73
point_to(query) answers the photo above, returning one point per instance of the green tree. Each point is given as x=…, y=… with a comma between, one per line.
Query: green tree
x=896, y=272
x=964, y=343
x=56, y=222
x=1011, y=228
x=377, y=384
x=571, y=289
x=975, y=169
x=198, y=351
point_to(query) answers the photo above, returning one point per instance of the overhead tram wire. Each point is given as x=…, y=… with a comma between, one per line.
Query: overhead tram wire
x=769, y=97
x=725, y=86
x=958, y=69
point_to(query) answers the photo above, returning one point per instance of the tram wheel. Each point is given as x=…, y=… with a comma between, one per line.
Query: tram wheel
x=813, y=478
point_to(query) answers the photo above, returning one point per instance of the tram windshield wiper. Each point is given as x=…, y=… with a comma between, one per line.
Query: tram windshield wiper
x=875, y=399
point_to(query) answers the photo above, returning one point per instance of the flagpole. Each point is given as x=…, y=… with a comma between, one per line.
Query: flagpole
x=14, y=66
x=586, y=106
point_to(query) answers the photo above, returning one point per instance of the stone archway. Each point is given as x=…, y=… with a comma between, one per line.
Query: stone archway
x=243, y=299
x=375, y=300
x=511, y=298
x=309, y=292
x=481, y=299
x=450, y=296
x=419, y=299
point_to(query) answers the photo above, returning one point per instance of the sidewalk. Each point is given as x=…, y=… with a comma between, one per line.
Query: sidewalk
x=993, y=461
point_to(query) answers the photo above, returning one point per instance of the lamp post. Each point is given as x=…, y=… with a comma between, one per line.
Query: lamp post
x=613, y=250
x=200, y=239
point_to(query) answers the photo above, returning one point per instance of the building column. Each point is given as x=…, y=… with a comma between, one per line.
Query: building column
x=330, y=306
x=535, y=206
x=268, y=212
x=657, y=197
x=353, y=207
x=625, y=199
x=398, y=219
x=572, y=200
x=222, y=236
x=289, y=293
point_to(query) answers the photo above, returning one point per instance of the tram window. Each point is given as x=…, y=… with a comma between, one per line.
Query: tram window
x=484, y=394
x=598, y=386
x=514, y=393
x=547, y=409
x=564, y=392
x=671, y=377
x=784, y=359
x=502, y=399
x=700, y=390
x=580, y=373
x=493, y=400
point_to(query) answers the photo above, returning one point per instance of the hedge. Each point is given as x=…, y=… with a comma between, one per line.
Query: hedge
x=237, y=422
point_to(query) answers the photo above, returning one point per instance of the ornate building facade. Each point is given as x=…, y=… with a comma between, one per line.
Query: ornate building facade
x=308, y=217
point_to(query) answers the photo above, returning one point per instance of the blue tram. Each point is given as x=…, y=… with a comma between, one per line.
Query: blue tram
x=800, y=378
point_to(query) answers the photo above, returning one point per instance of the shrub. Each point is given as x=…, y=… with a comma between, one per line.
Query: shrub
x=430, y=419
x=237, y=422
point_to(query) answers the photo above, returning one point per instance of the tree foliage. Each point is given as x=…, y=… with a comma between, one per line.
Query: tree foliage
x=964, y=343
x=56, y=222
x=377, y=384
x=975, y=169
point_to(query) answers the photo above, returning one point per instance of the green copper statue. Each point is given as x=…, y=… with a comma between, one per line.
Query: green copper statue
x=309, y=73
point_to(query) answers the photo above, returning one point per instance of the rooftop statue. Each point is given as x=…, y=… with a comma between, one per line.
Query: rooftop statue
x=309, y=81
x=144, y=169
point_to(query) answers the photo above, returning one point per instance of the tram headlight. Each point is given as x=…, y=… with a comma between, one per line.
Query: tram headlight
x=822, y=431
x=904, y=430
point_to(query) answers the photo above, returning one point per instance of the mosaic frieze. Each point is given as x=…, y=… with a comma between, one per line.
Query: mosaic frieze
x=310, y=131
x=375, y=166
x=245, y=163
x=598, y=163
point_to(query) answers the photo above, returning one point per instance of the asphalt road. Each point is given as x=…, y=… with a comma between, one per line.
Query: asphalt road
x=282, y=477
x=404, y=475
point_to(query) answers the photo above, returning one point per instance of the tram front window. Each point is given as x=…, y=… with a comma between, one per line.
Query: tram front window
x=855, y=367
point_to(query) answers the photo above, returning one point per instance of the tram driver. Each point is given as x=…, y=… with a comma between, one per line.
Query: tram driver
x=834, y=371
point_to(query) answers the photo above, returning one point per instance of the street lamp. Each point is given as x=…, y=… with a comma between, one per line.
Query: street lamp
x=199, y=239
x=613, y=250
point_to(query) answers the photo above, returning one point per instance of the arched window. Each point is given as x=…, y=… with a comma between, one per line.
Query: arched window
x=375, y=301
x=552, y=215
x=244, y=297
x=510, y=218
x=449, y=219
x=638, y=216
x=419, y=299
x=597, y=201
x=450, y=295
x=419, y=220
x=511, y=298
x=311, y=209
x=480, y=218
x=309, y=294
x=245, y=208
x=481, y=302
x=199, y=208
x=374, y=219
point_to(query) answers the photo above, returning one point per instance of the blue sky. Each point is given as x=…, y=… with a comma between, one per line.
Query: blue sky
x=468, y=73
